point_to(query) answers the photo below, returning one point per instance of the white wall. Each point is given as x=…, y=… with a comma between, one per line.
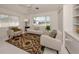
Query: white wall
x=22, y=23
x=68, y=17
x=53, y=16
x=10, y=12
x=60, y=19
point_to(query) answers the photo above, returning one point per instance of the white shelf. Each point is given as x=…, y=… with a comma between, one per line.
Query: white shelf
x=76, y=10
x=76, y=7
x=73, y=34
x=76, y=24
x=76, y=16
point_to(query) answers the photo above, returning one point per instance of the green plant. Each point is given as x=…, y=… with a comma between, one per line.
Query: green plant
x=48, y=27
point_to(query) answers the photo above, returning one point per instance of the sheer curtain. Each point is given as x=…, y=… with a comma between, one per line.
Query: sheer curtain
x=7, y=21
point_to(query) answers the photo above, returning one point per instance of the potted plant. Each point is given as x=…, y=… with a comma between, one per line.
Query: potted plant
x=48, y=27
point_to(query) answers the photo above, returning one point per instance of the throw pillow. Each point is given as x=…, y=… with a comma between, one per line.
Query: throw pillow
x=53, y=34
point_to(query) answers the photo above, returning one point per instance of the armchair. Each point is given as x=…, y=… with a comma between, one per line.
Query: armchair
x=14, y=31
x=53, y=43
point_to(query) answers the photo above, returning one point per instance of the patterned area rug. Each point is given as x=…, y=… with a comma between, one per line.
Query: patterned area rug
x=28, y=42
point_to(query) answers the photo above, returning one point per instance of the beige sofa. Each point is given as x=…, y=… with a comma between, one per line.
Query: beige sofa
x=34, y=31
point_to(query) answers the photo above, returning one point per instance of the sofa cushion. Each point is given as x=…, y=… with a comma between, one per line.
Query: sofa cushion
x=34, y=31
x=36, y=28
x=15, y=29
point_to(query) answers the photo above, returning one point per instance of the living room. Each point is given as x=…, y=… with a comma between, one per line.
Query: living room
x=31, y=21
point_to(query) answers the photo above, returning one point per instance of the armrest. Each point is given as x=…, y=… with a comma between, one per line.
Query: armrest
x=46, y=37
x=10, y=32
x=50, y=42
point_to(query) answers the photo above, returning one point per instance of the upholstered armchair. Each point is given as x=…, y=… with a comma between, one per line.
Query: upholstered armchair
x=50, y=42
x=14, y=31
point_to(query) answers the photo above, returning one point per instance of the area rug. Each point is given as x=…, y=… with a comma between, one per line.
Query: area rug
x=28, y=42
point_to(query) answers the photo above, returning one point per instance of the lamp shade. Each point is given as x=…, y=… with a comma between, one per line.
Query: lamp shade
x=26, y=20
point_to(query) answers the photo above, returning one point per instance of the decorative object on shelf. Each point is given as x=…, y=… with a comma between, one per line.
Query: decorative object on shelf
x=77, y=30
x=76, y=18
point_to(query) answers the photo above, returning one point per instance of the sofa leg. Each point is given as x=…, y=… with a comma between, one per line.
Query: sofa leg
x=57, y=52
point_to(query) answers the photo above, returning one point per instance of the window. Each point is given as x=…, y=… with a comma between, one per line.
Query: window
x=7, y=21
x=42, y=20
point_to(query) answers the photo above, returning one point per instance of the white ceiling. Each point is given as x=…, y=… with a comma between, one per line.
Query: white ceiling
x=30, y=9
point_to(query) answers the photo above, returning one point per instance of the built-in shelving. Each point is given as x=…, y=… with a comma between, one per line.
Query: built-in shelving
x=76, y=24
x=76, y=7
x=76, y=17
